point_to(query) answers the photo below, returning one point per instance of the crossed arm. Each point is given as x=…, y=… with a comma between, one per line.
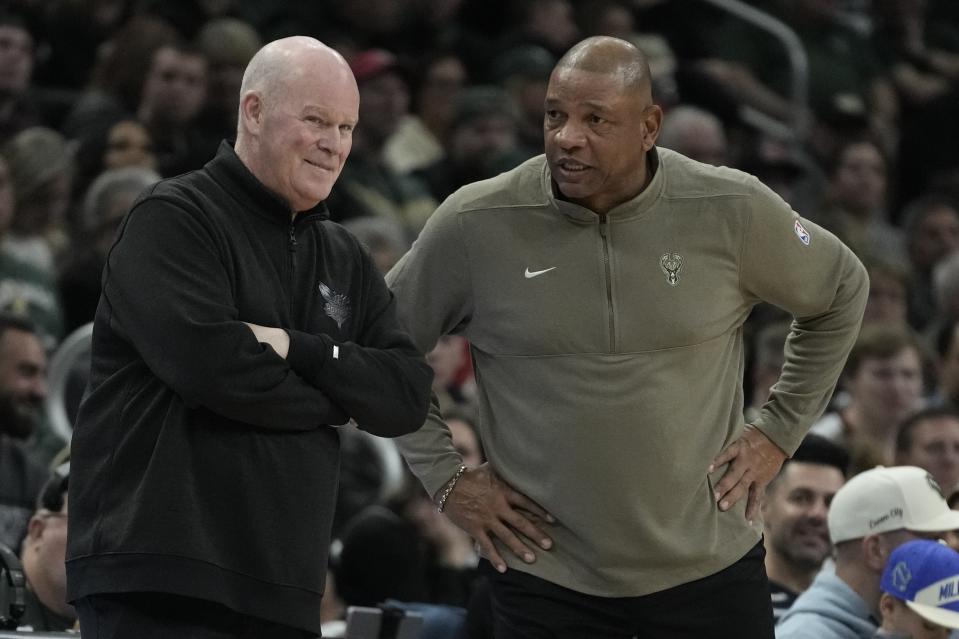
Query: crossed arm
x=187, y=330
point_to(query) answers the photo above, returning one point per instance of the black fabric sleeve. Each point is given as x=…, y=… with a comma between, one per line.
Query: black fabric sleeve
x=381, y=380
x=170, y=297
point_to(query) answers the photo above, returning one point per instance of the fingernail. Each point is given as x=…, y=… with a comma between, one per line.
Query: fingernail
x=528, y=557
x=501, y=568
x=723, y=505
x=711, y=468
x=750, y=522
x=550, y=518
x=716, y=495
x=546, y=544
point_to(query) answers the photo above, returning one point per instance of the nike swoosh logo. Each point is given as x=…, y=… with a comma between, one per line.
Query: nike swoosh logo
x=531, y=274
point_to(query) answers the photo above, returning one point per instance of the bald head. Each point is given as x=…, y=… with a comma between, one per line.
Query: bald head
x=610, y=56
x=281, y=62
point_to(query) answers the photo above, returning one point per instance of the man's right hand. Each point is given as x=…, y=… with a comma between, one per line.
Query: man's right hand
x=485, y=506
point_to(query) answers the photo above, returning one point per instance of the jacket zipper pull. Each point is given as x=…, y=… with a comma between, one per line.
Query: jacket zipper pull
x=292, y=238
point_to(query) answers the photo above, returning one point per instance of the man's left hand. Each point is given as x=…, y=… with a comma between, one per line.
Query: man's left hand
x=753, y=462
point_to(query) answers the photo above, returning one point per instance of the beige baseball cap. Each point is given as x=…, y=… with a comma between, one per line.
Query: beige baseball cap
x=886, y=499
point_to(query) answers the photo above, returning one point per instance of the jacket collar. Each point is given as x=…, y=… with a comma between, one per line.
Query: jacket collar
x=227, y=168
x=629, y=209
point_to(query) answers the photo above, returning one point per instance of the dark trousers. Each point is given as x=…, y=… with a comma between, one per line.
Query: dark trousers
x=154, y=615
x=731, y=604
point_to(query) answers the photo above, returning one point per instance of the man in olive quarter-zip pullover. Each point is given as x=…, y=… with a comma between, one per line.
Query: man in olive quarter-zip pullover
x=603, y=288
x=236, y=328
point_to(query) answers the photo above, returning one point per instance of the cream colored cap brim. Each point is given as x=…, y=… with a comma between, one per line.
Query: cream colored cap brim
x=938, y=616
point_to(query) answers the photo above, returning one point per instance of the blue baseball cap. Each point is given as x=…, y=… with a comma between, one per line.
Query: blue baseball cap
x=925, y=575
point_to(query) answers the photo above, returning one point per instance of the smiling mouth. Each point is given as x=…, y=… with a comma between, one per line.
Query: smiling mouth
x=319, y=166
x=572, y=166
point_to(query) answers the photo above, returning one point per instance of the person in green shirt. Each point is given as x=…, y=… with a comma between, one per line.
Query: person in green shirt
x=603, y=288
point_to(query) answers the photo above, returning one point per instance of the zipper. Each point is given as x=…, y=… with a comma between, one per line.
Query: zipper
x=604, y=232
x=292, y=245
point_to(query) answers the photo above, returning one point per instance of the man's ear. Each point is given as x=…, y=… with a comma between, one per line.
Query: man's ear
x=251, y=111
x=35, y=527
x=652, y=118
x=886, y=605
x=874, y=553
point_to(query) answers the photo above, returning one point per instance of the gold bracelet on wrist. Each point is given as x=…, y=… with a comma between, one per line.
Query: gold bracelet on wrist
x=441, y=504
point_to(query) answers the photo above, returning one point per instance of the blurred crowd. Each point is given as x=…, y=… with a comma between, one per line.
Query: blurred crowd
x=99, y=99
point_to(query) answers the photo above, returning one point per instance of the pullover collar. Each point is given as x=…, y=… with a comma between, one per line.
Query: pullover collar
x=228, y=169
x=628, y=210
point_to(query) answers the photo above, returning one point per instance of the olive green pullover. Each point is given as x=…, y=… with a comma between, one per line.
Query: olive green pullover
x=609, y=355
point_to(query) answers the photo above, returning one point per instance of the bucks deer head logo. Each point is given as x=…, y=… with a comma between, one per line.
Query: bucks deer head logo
x=672, y=264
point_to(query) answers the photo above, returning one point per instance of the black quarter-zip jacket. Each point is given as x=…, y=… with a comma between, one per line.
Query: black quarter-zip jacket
x=203, y=464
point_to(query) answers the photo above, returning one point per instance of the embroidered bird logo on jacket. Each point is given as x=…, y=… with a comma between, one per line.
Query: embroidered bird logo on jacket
x=337, y=306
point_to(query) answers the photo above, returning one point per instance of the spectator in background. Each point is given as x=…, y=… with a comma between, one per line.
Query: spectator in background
x=947, y=366
x=481, y=142
x=794, y=518
x=462, y=420
x=945, y=291
x=546, y=23
x=919, y=592
x=952, y=537
x=384, y=22
x=843, y=67
x=921, y=57
x=124, y=142
x=385, y=558
x=606, y=17
x=524, y=72
x=888, y=292
x=695, y=133
x=106, y=202
x=930, y=440
x=74, y=32
x=16, y=70
x=411, y=553
x=931, y=230
x=871, y=515
x=768, y=355
x=227, y=44
x=42, y=170
x=368, y=186
x=23, y=365
x=43, y=554
x=419, y=139
x=787, y=169
x=189, y=16
x=385, y=238
x=173, y=96
x=25, y=289
x=119, y=75
x=447, y=359
x=663, y=67
x=855, y=210
x=128, y=143
x=883, y=378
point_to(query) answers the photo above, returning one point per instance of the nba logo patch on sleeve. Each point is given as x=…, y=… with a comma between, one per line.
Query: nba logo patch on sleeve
x=802, y=233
